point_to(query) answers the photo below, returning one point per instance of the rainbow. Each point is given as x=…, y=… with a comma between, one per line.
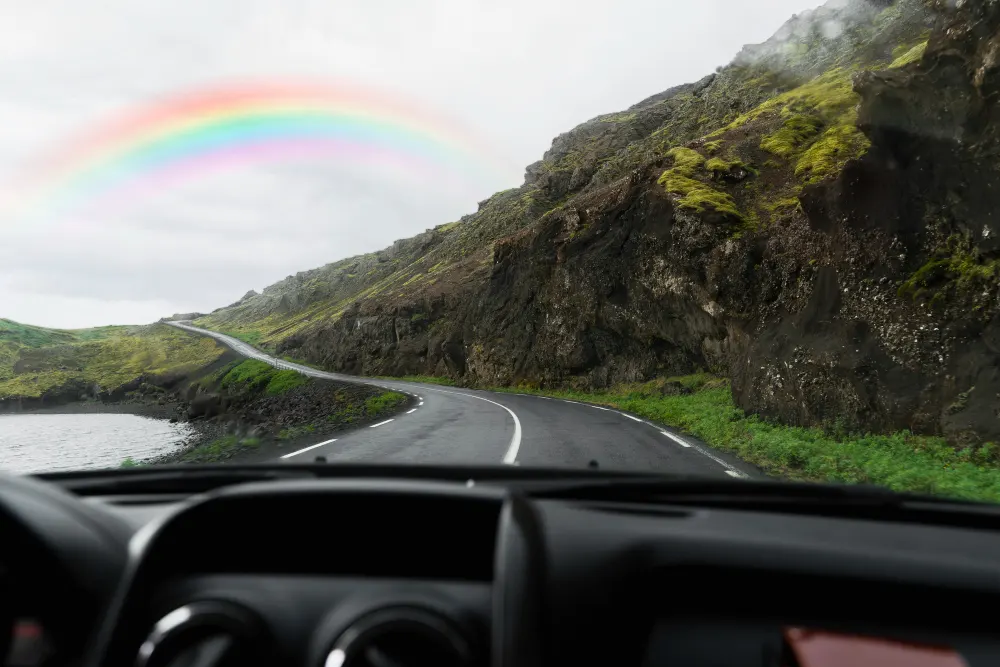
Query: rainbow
x=263, y=122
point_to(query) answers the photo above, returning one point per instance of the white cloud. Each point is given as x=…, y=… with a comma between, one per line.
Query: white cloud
x=515, y=73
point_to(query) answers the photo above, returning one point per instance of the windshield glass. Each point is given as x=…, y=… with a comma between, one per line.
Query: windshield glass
x=762, y=243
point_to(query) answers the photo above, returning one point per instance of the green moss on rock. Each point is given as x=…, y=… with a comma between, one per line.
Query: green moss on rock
x=797, y=130
x=910, y=56
x=835, y=147
x=694, y=194
x=713, y=146
x=718, y=165
x=956, y=264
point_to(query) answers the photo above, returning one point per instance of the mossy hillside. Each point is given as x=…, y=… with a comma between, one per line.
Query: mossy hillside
x=15, y=336
x=596, y=153
x=104, y=359
x=25, y=335
x=786, y=112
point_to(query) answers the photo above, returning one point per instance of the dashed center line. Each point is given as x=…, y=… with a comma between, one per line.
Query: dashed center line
x=325, y=442
x=381, y=423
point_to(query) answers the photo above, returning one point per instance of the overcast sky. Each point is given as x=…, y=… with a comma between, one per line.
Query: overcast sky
x=514, y=73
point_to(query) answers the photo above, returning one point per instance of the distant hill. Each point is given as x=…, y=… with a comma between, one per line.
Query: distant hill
x=60, y=365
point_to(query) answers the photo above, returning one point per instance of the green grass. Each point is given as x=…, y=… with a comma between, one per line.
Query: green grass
x=249, y=337
x=900, y=461
x=384, y=402
x=292, y=432
x=220, y=449
x=284, y=381
x=373, y=407
x=256, y=376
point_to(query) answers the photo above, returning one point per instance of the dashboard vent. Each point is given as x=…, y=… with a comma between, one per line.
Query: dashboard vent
x=400, y=637
x=208, y=634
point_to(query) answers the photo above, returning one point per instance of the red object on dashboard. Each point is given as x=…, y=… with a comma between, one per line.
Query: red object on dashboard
x=817, y=648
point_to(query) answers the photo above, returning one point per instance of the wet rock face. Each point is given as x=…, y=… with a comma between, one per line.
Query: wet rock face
x=900, y=330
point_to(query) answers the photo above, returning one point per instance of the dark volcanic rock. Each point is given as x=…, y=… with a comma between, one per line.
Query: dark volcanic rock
x=872, y=301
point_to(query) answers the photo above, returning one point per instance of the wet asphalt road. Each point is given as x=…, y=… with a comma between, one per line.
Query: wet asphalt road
x=465, y=426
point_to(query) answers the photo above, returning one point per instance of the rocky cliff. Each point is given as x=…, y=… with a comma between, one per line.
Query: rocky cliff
x=814, y=221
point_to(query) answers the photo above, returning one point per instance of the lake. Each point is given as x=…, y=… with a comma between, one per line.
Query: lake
x=46, y=443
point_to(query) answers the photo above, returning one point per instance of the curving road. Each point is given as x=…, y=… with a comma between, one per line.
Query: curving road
x=451, y=425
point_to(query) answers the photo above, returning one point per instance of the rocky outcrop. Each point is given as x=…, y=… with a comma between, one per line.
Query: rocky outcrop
x=829, y=244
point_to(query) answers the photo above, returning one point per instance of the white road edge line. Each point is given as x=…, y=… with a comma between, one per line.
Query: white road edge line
x=410, y=412
x=600, y=408
x=301, y=451
x=420, y=403
x=632, y=418
x=510, y=458
x=730, y=470
x=381, y=423
x=678, y=440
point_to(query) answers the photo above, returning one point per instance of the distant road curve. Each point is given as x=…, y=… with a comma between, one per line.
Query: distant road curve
x=465, y=426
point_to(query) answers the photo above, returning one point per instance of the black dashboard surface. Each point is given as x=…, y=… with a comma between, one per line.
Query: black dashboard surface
x=313, y=571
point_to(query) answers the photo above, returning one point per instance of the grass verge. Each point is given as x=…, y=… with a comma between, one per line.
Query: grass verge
x=900, y=461
x=220, y=449
x=256, y=376
x=375, y=406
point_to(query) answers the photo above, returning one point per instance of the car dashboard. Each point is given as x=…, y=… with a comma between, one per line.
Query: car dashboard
x=388, y=571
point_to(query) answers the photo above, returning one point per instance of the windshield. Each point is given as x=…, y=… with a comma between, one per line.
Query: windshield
x=761, y=244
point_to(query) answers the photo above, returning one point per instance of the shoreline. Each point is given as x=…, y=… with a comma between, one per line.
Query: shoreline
x=234, y=417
